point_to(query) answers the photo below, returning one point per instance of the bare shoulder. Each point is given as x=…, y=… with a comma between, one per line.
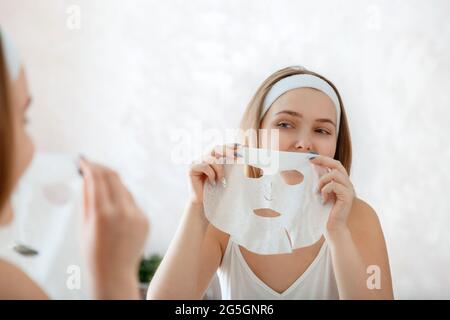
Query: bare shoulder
x=18, y=284
x=366, y=230
x=368, y=236
x=363, y=218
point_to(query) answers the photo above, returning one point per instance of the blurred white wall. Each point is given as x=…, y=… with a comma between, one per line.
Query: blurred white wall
x=112, y=79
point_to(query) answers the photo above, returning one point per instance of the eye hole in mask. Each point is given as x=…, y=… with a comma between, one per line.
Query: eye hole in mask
x=292, y=177
x=253, y=172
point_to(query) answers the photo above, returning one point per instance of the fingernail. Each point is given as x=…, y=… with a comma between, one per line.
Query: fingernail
x=80, y=171
x=313, y=157
x=224, y=182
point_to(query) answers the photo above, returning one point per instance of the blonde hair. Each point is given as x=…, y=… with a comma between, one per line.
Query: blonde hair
x=251, y=119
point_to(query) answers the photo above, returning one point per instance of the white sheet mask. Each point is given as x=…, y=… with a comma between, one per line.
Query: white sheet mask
x=47, y=206
x=301, y=216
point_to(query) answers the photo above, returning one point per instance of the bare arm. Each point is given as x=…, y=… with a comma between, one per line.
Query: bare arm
x=355, y=237
x=195, y=252
x=359, y=256
x=191, y=260
x=115, y=230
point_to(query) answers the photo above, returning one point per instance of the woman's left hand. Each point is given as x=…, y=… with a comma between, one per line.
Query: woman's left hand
x=335, y=185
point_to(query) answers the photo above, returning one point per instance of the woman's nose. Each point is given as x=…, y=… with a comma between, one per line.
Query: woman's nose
x=303, y=144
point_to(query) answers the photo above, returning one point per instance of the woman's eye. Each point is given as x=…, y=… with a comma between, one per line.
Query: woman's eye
x=322, y=131
x=284, y=125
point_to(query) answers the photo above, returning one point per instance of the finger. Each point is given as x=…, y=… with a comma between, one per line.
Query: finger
x=106, y=176
x=333, y=187
x=227, y=158
x=210, y=173
x=95, y=188
x=204, y=169
x=326, y=191
x=329, y=163
x=222, y=148
x=218, y=169
x=333, y=175
x=117, y=190
x=128, y=196
x=229, y=152
x=88, y=187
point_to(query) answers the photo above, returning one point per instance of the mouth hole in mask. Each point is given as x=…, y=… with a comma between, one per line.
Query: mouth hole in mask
x=292, y=177
x=266, y=213
x=57, y=194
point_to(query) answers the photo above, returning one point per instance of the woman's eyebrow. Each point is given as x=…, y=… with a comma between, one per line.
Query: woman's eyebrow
x=326, y=121
x=289, y=112
x=299, y=115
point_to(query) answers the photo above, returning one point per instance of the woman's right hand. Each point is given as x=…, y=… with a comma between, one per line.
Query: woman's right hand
x=115, y=231
x=211, y=168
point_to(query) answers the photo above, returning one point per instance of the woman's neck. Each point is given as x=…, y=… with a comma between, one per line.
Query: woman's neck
x=6, y=214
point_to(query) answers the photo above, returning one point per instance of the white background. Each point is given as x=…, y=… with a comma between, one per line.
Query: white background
x=119, y=85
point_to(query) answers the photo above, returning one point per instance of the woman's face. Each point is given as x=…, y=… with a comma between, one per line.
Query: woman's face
x=20, y=101
x=306, y=119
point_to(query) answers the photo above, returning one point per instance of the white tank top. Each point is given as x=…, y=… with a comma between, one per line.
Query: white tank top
x=238, y=281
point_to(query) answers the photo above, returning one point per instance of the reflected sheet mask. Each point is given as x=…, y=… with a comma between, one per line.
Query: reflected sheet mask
x=286, y=190
x=47, y=205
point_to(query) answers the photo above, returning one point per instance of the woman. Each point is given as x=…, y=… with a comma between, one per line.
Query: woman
x=115, y=229
x=336, y=266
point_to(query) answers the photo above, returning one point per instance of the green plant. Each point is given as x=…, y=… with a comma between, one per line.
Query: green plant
x=148, y=266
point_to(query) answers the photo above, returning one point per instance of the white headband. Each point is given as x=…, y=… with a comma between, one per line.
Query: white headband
x=301, y=81
x=11, y=56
